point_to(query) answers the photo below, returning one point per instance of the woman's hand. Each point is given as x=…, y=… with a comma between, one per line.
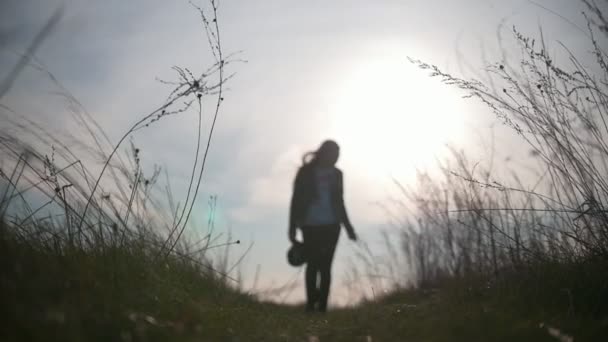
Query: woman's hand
x=292, y=235
x=350, y=231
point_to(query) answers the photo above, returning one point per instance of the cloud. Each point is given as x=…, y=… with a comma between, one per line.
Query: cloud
x=269, y=192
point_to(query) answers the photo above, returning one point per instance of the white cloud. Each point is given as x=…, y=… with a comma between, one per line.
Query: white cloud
x=270, y=191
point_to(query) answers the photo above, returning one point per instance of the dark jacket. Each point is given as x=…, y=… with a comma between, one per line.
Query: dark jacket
x=304, y=192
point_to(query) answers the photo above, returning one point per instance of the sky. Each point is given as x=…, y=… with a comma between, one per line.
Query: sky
x=312, y=70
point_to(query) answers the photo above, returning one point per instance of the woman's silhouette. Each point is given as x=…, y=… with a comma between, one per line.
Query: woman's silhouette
x=317, y=208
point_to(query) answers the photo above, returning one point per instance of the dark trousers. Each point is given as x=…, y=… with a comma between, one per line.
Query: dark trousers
x=319, y=245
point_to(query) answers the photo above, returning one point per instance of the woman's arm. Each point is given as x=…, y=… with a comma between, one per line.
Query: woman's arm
x=293, y=208
x=342, y=208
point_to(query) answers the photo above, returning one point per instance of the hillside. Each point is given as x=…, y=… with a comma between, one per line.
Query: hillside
x=53, y=292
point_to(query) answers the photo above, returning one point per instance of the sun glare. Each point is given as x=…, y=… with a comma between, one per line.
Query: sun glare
x=391, y=118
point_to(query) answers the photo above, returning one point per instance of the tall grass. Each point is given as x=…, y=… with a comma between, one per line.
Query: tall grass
x=87, y=249
x=542, y=241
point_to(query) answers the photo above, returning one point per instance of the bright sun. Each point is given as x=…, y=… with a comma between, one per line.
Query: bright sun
x=391, y=117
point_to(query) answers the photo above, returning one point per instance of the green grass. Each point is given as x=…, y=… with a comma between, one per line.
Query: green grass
x=51, y=292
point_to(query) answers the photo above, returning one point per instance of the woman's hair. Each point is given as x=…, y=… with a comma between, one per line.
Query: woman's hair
x=313, y=157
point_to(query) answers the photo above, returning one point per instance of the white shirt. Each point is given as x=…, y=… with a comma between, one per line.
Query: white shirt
x=321, y=210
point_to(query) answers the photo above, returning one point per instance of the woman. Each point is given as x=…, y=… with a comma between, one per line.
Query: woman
x=317, y=208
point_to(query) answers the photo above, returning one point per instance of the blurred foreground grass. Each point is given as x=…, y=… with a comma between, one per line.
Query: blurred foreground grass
x=51, y=292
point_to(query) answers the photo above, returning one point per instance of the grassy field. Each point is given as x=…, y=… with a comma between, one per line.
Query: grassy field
x=51, y=292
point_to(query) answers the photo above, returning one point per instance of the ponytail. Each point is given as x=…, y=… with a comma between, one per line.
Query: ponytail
x=312, y=157
x=309, y=158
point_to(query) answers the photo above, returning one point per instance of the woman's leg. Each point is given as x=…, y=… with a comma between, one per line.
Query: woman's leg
x=311, y=247
x=312, y=292
x=330, y=236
